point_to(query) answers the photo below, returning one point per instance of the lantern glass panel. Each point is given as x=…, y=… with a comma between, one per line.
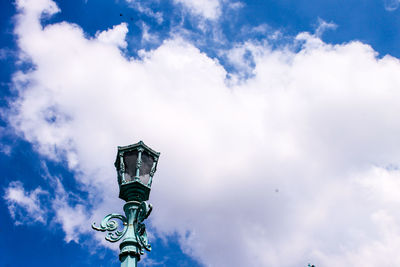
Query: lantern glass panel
x=130, y=159
x=147, y=164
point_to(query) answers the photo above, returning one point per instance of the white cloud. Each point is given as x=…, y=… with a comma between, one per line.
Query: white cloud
x=235, y=5
x=317, y=124
x=148, y=37
x=28, y=207
x=25, y=207
x=6, y=53
x=115, y=36
x=142, y=8
x=323, y=26
x=72, y=218
x=391, y=5
x=209, y=9
x=5, y=149
x=38, y=7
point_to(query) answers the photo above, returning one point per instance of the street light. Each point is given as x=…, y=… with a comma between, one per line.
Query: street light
x=136, y=165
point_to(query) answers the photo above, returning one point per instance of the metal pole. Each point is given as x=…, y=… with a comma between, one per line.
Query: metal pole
x=130, y=247
x=128, y=261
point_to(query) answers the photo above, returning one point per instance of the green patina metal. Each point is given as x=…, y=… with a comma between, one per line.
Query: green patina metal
x=136, y=165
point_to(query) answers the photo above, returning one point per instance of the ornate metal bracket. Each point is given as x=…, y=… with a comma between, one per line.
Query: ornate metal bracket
x=134, y=227
x=107, y=224
x=143, y=212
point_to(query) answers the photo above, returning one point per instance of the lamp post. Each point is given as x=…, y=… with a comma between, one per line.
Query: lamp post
x=136, y=165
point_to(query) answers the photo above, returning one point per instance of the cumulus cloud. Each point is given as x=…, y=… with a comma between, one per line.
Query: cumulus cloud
x=286, y=167
x=115, y=36
x=25, y=207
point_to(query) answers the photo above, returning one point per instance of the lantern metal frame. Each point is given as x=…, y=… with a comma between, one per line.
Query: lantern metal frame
x=135, y=190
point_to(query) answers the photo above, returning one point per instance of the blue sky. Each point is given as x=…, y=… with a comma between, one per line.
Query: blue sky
x=276, y=121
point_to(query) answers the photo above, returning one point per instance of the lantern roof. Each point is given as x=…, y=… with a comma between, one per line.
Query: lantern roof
x=137, y=146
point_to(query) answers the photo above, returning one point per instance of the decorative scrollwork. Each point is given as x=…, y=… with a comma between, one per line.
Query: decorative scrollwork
x=143, y=212
x=107, y=224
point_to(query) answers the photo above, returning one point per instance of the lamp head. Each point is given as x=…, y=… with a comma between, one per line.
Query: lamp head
x=136, y=165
